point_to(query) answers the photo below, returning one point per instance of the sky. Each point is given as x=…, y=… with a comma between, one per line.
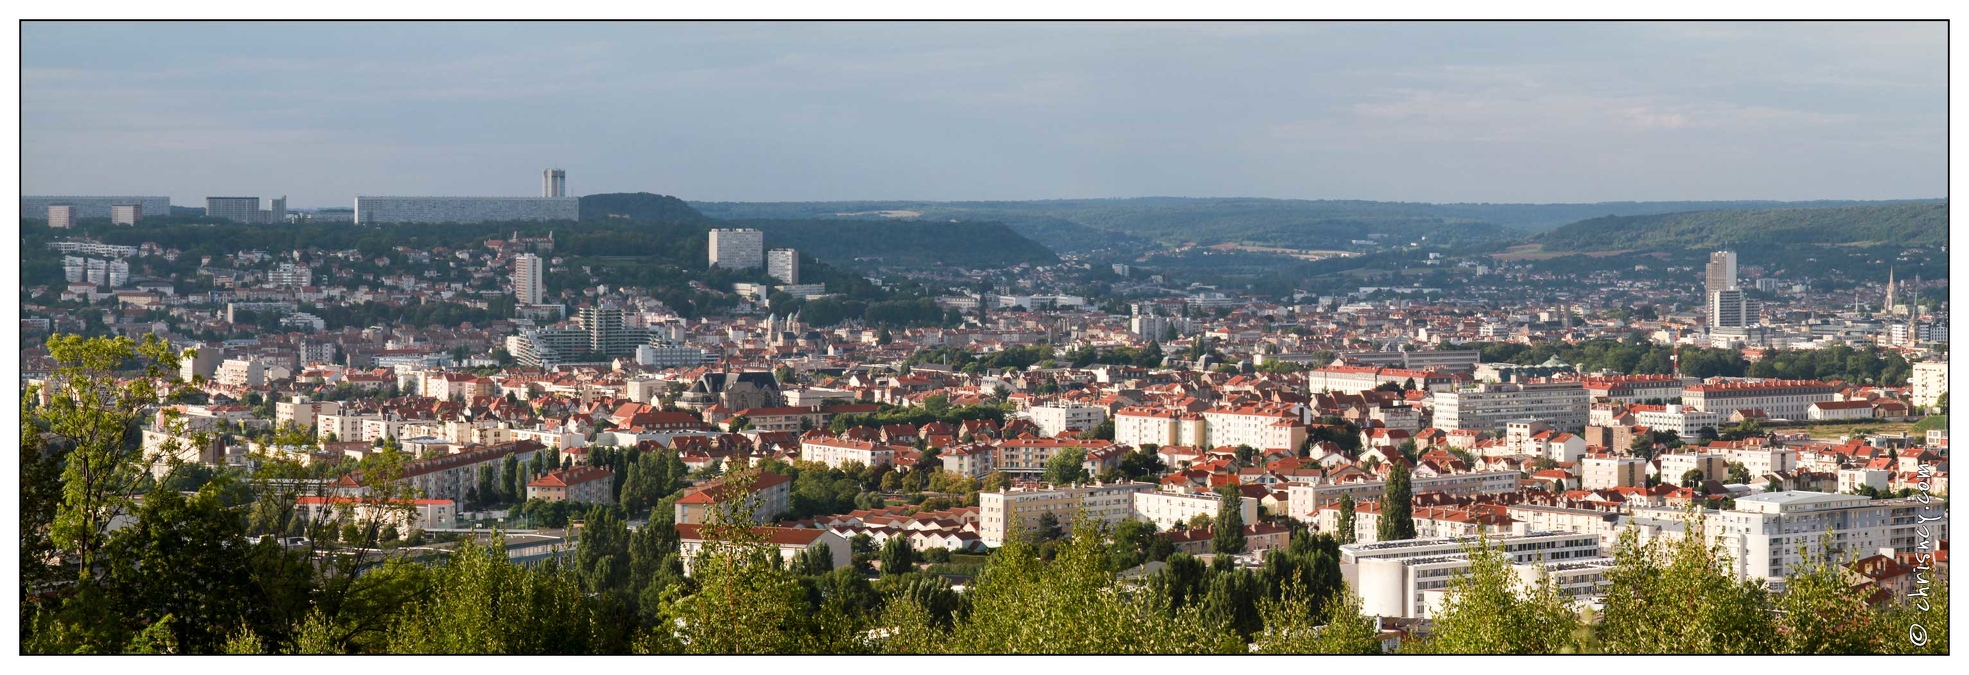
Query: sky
x=1433, y=112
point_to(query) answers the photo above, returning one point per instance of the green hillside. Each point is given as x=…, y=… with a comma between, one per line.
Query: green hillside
x=1905, y=224
x=1140, y=224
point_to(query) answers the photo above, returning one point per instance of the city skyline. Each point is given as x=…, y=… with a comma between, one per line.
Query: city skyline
x=846, y=111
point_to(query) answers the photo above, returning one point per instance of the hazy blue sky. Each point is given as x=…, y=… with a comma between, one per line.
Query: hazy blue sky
x=1494, y=112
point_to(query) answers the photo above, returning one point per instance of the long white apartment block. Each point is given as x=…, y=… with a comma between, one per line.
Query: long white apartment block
x=1304, y=499
x=383, y=209
x=1409, y=578
x=1005, y=513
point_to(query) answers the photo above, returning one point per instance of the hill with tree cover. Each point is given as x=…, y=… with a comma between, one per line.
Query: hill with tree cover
x=637, y=206
x=1142, y=223
x=1904, y=224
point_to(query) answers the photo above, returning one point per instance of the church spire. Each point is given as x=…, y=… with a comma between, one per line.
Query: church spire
x=1890, y=289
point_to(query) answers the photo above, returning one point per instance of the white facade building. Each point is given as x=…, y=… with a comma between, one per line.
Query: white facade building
x=1765, y=532
x=1009, y=512
x=1682, y=420
x=1564, y=405
x=1171, y=510
x=1057, y=417
x=1930, y=381
x=529, y=286
x=380, y=209
x=783, y=264
x=738, y=248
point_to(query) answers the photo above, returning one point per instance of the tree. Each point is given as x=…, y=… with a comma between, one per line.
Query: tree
x=898, y=557
x=1488, y=611
x=1692, y=478
x=1643, y=446
x=1067, y=467
x=1681, y=596
x=818, y=559
x=1228, y=536
x=1397, y=507
x=1344, y=530
x=738, y=423
x=1049, y=528
x=1739, y=474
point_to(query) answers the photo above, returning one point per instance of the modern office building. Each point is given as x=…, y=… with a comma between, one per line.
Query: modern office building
x=61, y=216
x=738, y=248
x=1489, y=406
x=783, y=264
x=1731, y=309
x=125, y=214
x=95, y=207
x=380, y=209
x=553, y=183
x=528, y=285
x=1721, y=272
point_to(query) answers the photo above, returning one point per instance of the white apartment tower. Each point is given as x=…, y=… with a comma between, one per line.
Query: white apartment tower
x=125, y=214
x=528, y=285
x=1728, y=308
x=62, y=216
x=553, y=183
x=783, y=264
x=738, y=248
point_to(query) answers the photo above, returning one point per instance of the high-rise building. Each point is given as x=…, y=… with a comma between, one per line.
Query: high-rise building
x=738, y=249
x=1721, y=273
x=61, y=215
x=553, y=183
x=279, y=212
x=783, y=264
x=1730, y=309
x=125, y=214
x=236, y=209
x=95, y=207
x=75, y=268
x=119, y=272
x=528, y=285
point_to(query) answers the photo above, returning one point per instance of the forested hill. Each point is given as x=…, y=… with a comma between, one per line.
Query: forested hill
x=1901, y=224
x=1152, y=222
x=855, y=243
x=637, y=206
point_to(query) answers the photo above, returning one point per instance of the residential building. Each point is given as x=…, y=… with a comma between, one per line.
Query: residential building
x=529, y=285
x=1564, y=405
x=380, y=209
x=1057, y=417
x=1929, y=382
x=1007, y=513
x=835, y=452
x=125, y=214
x=1602, y=472
x=94, y=206
x=1304, y=499
x=1685, y=421
x=742, y=248
x=1170, y=509
x=585, y=484
x=767, y=492
x=235, y=209
x=791, y=542
x=1768, y=534
x=783, y=264
x=61, y=216
x=1779, y=399
x=553, y=183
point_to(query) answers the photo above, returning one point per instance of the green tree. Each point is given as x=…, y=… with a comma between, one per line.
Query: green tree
x=1739, y=474
x=1068, y=467
x=1344, y=529
x=1228, y=536
x=1397, y=507
x=1681, y=597
x=1488, y=610
x=898, y=556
